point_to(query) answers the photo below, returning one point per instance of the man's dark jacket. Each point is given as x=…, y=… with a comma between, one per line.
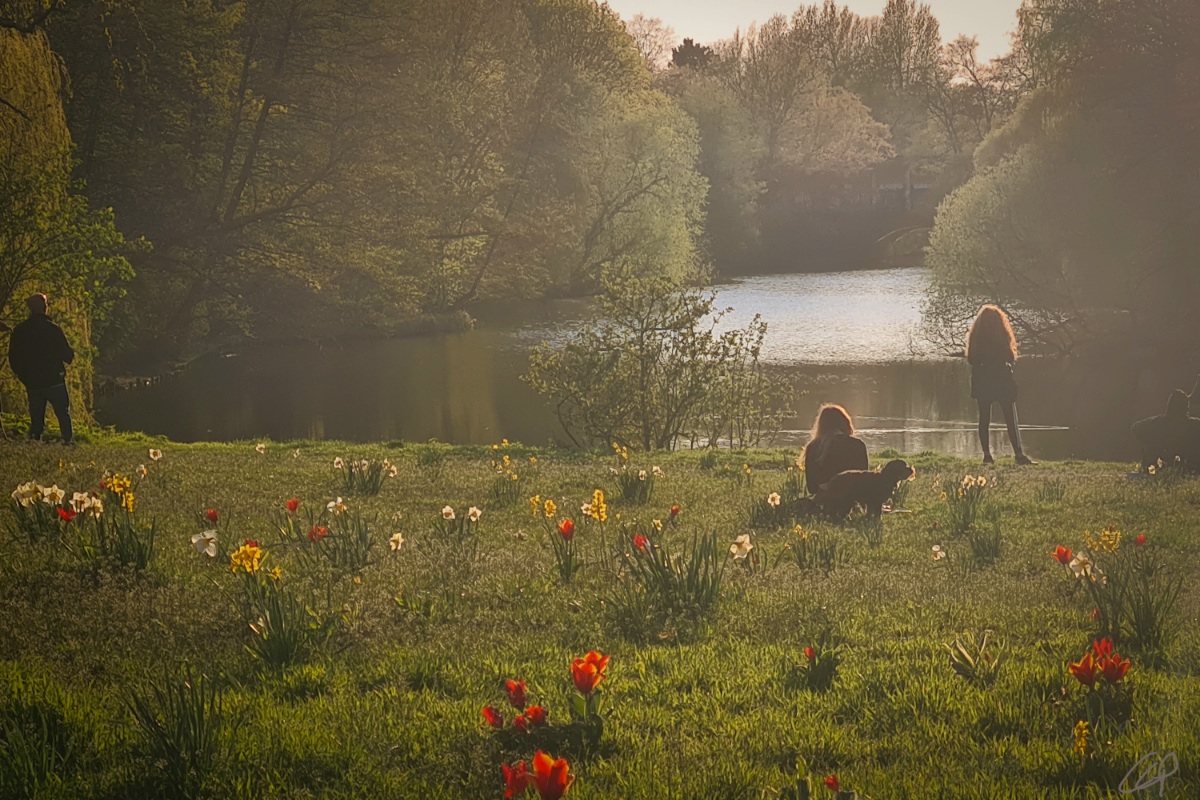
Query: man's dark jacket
x=38, y=352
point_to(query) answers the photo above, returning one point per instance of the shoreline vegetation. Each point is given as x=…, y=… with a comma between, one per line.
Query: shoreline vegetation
x=300, y=619
x=401, y=328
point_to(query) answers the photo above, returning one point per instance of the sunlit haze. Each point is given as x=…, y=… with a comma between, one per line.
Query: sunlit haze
x=707, y=21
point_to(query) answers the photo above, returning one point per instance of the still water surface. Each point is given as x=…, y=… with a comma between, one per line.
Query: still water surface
x=838, y=337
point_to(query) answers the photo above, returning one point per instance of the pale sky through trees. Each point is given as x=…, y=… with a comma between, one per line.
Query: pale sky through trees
x=707, y=21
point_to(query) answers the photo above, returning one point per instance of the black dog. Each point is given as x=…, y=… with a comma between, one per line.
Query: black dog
x=838, y=497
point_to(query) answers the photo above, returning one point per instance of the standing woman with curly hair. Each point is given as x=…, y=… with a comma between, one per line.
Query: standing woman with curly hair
x=992, y=351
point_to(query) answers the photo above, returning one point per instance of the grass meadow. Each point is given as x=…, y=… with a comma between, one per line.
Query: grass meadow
x=359, y=669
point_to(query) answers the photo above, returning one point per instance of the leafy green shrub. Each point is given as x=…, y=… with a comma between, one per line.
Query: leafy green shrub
x=653, y=368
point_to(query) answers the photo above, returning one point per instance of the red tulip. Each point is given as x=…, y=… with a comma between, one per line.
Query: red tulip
x=1114, y=668
x=250, y=542
x=212, y=515
x=640, y=541
x=520, y=724
x=833, y=783
x=536, y=715
x=551, y=778
x=317, y=532
x=516, y=779
x=810, y=653
x=1062, y=555
x=66, y=515
x=516, y=693
x=493, y=717
x=587, y=672
x=674, y=511
x=1084, y=670
x=1140, y=539
x=566, y=529
x=1102, y=647
x=292, y=505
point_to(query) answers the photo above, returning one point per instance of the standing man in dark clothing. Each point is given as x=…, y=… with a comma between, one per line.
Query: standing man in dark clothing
x=38, y=353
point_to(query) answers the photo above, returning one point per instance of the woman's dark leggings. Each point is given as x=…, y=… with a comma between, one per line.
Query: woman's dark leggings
x=1009, y=410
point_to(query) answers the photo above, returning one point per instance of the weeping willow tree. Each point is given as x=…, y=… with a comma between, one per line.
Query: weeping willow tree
x=50, y=240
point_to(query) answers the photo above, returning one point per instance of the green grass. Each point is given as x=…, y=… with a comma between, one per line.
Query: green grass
x=696, y=705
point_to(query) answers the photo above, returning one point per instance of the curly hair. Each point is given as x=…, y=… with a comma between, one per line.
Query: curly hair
x=991, y=337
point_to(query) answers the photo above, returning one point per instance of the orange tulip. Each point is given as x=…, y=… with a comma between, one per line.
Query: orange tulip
x=587, y=672
x=1114, y=668
x=833, y=783
x=551, y=778
x=1084, y=670
x=1062, y=555
x=493, y=717
x=566, y=529
x=516, y=693
x=1102, y=647
x=516, y=779
x=536, y=715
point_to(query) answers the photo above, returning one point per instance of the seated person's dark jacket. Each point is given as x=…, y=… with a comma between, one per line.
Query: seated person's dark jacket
x=1166, y=437
x=826, y=456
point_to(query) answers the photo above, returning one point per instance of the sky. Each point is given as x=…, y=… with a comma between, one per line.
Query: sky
x=706, y=21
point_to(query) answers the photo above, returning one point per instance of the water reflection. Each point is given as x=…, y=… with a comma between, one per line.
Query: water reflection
x=837, y=338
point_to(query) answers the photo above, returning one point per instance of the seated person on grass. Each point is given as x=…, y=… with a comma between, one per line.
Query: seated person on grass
x=1170, y=436
x=832, y=448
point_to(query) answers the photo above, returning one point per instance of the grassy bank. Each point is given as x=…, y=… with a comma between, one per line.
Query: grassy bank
x=375, y=688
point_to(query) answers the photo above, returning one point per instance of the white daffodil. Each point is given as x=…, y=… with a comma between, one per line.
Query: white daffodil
x=336, y=506
x=27, y=493
x=656, y=472
x=938, y=552
x=97, y=506
x=474, y=514
x=296, y=453
x=390, y=469
x=52, y=495
x=586, y=509
x=338, y=463
x=141, y=471
x=614, y=471
x=773, y=499
x=81, y=501
x=205, y=543
x=1081, y=565
x=260, y=448
x=155, y=454
x=741, y=546
x=396, y=542
x=447, y=513
x=364, y=465
x=641, y=475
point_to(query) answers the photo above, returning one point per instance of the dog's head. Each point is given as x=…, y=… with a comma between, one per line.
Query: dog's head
x=897, y=470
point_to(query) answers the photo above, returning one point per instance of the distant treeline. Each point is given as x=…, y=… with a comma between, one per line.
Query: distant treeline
x=181, y=174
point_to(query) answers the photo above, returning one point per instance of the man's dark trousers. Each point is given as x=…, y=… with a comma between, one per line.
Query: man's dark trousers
x=60, y=401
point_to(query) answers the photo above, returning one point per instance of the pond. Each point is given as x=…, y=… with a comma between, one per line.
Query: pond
x=838, y=337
